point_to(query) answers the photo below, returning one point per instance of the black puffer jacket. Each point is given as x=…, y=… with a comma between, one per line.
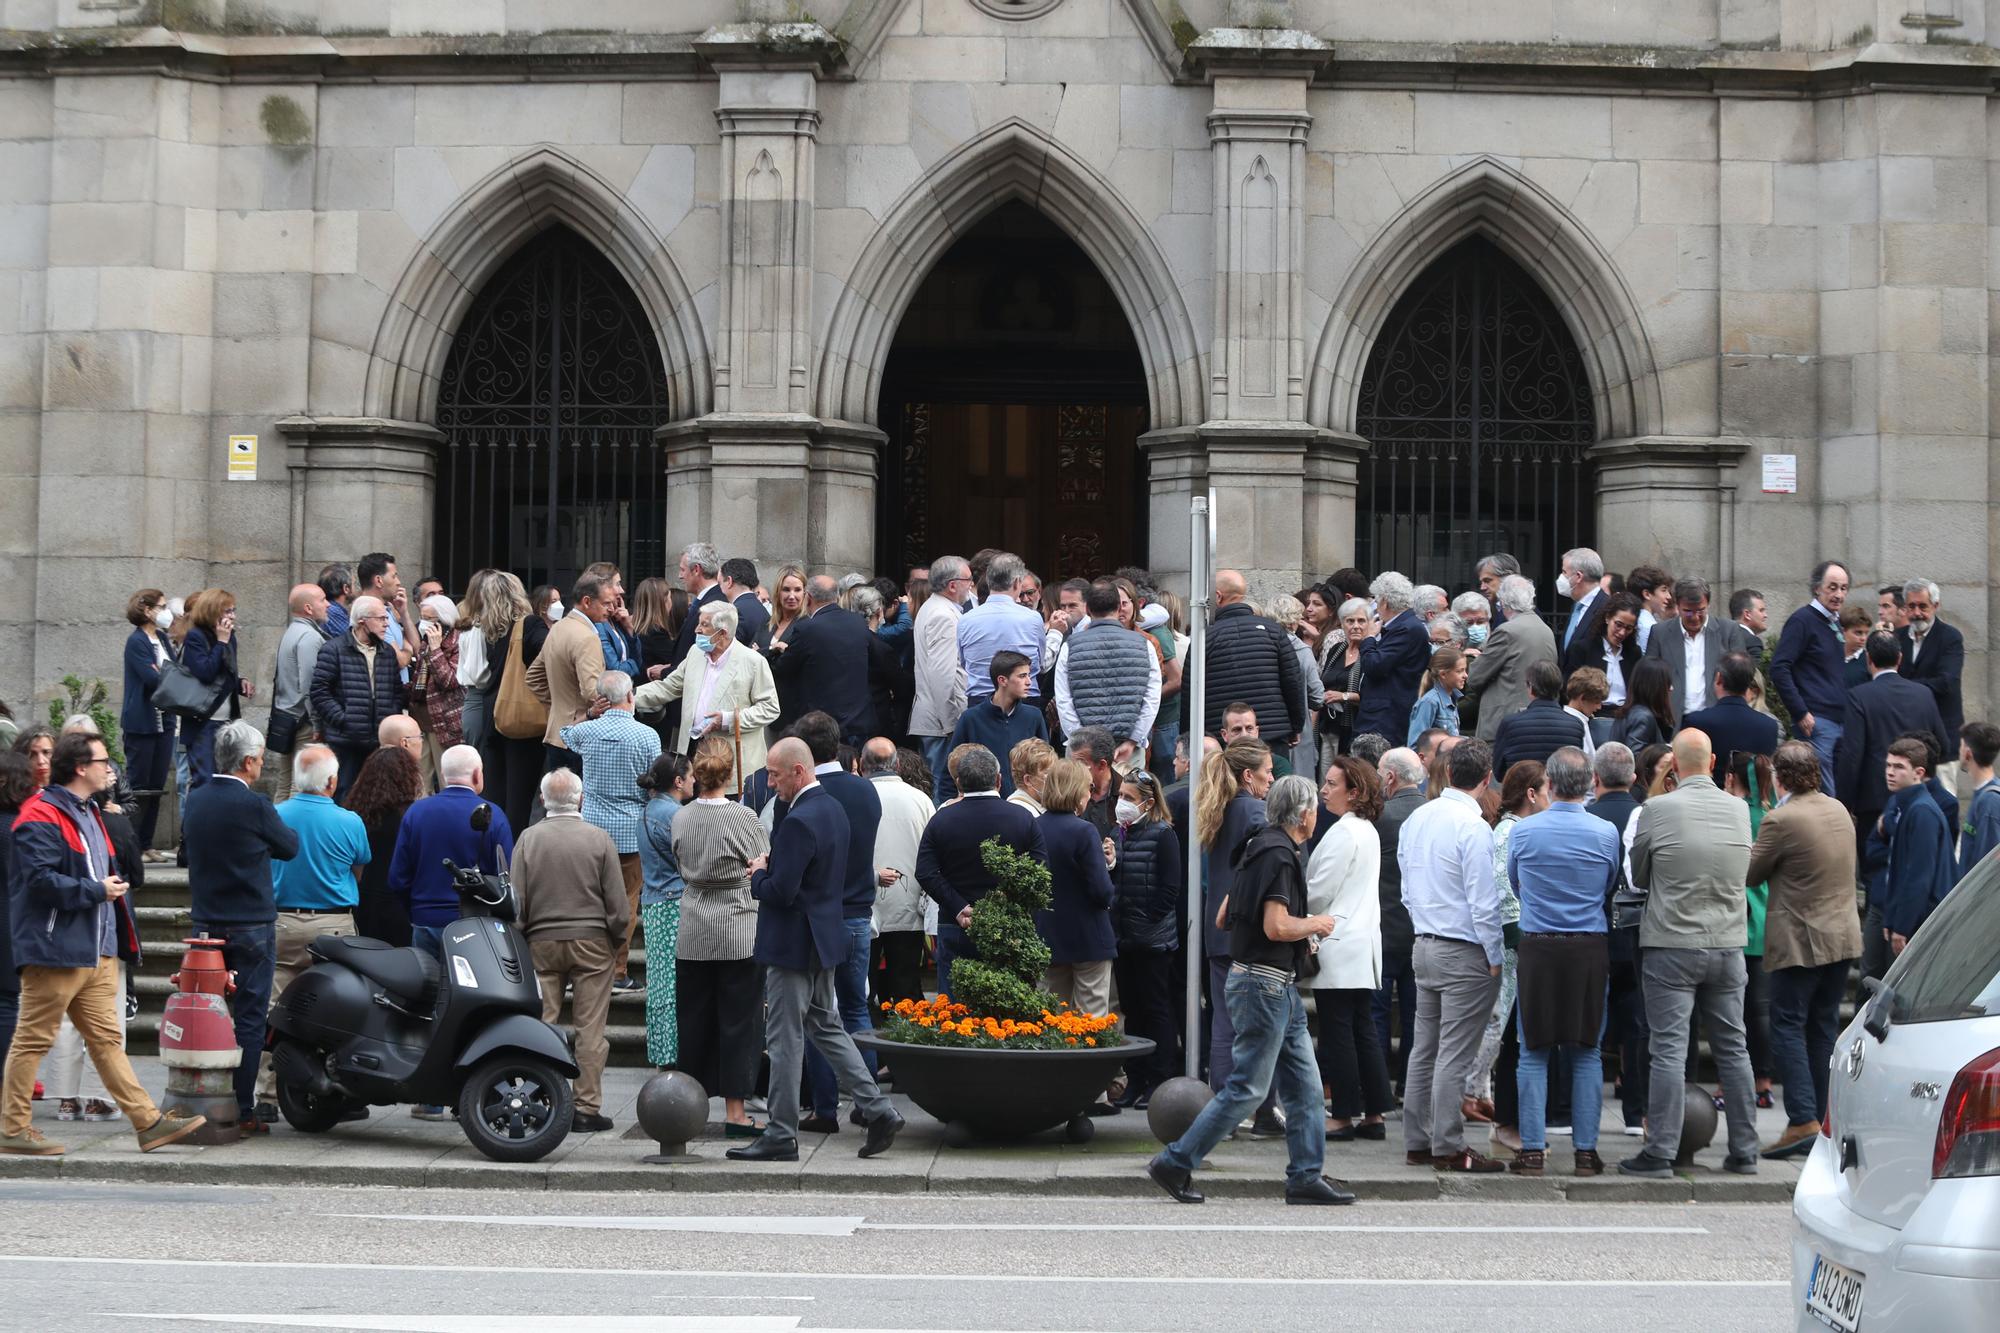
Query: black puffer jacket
x=1536, y=732
x=347, y=711
x=1251, y=660
x=1148, y=909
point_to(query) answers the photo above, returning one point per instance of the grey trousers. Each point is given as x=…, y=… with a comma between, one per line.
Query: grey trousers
x=800, y=1007
x=1455, y=990
x=1676, y=982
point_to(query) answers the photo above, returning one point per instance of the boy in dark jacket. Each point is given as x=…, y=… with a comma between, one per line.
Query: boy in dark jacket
x=65, y=909
x=1921, y=866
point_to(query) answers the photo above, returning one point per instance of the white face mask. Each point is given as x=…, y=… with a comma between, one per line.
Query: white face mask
x=1128, y=811
x=163, y=617
x=555, y=611
x=1562, y=586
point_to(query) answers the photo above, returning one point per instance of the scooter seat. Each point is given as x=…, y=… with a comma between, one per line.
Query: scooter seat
x=408, y=974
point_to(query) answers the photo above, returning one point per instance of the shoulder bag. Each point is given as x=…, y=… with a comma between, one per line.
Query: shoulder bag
x=517, y=713
x=185, y=695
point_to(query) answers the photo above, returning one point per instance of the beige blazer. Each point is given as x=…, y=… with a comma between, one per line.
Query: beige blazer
x=744, y=692
x=1499, y=675
x=564, y=675
x=1805, y=852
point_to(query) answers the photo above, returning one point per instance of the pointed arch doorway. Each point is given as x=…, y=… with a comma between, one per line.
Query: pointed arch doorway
x=1013, y=397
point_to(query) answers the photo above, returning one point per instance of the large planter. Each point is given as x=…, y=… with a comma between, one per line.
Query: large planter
x=1002, y=1094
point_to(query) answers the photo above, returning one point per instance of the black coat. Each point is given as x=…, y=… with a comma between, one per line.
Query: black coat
x=1241, y=818
x=1077, y=922
x=1536, y=732
x=1877, y=713
x=1615, y=808
x=1938, y=670
x=1590, y=653
x=1734, y=725
x=1251, y=660
x=1392, y=667
x=825, y=668
x=856, y=796
x=1151, y=896
x=348, y=713
x=1398, y=934
x=1639, y=728
x=949, y=867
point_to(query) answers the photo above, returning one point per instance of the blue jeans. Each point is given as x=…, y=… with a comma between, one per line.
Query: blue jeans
x=428, y=938
x=1825, y=733
x=201, y=753
x=1269, y=1017
x=1805, y=1023
x=1586, y=1083
x=935, y=749
x=251, y=952
x=952, y=945
x=850, y=986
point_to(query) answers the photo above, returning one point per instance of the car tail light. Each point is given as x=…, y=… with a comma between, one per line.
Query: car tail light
x=1968, y=1136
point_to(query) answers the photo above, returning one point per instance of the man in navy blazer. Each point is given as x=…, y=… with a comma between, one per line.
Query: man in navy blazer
x=823, y=663
x=1732, y=724
x=949, y=865
x=1877, y=713
x=1393, y=660
x=1933, y=656
x=800, y=942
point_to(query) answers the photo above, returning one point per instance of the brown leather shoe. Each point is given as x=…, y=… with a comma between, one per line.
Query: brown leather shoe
x=1469, y=1161
x=1528, y=1162
x=1796, y=1141
x=1418, y=1157
x=1588, y=1163
x=1477, y=1110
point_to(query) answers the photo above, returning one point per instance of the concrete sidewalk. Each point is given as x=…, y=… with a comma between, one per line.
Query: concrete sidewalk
x=391, y=1149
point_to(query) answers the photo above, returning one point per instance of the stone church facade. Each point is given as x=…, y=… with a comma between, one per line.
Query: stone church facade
x=531, y=281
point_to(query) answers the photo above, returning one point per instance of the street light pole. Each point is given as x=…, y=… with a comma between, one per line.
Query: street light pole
x=1200, y=581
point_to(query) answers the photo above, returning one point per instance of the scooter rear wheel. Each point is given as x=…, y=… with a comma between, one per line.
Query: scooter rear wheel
x=516, y=1107
x=305, y=1112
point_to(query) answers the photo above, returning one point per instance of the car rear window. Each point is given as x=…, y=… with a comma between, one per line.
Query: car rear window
x=1952, y=968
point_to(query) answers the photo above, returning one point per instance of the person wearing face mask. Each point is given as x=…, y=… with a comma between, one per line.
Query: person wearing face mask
x=726, y=690
x=357, y=681
x=1582, y=570
x=1146, y=914
x=149, y=734
x=1476, y=614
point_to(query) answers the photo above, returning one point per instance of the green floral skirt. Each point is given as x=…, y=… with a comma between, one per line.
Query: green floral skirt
x=663, y=934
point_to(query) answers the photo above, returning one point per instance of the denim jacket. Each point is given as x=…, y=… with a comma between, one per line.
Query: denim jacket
x=663, y=882
x=1436, y=709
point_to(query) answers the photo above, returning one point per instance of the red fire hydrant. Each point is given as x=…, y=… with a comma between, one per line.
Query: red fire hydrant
x=198, y=1042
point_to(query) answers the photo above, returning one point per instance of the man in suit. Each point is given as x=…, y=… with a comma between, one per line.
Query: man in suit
x=1934, y=657
x=1691, y=645
x=949, y=865
x=699, y=567
x=1498, y=681
x=1612, y=770
x=1812, y=935
x=1393, y=659
x=727, y=688
x=801, y=941
x=1732, y=724
x=1748, y=619
x=1582, y=578
x=739, y=586
x=1540, y=729
x=824, y=661
x=1878, y=712
x=1403, y=794
x=565, y=673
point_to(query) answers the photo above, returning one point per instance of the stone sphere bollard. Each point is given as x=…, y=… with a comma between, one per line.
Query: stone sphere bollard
x=672, y=1109
x=1172, y=1109
x=1697, y=1124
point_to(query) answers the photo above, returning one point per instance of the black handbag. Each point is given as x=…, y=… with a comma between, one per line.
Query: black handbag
x=283, y=732
x=185, y=695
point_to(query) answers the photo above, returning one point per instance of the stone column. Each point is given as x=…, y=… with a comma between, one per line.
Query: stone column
x=1661, y=499
x=758, y=476
x=1259, y=450
x=358, y=484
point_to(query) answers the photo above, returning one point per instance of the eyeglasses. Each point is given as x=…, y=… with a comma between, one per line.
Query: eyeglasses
x=97, y=759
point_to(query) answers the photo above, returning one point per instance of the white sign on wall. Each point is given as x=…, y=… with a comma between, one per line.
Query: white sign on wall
x=1781, y=474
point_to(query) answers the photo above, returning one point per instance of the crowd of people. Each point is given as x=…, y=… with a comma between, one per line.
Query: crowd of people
x=1474, y=849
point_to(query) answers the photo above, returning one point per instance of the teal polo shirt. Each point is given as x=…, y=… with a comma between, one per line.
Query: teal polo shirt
x=332, y=842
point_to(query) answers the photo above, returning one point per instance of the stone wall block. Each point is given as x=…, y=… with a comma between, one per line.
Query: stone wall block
x=92, y=371
x=1515, y=124
x=253, y=304
x=1768, y=131
x=1770, y=323
x=1848, y=321
x=1849, y=191
x=1934, y=254
x=856, y=113
x=1090, y=123
x=1363, y=121
x=1769, y=395
x=373, y=115
x=1933, y=393
x=1157, y=117
x=100, y=233
x=357, y=178
x=452, y=115
x=87, y=442
x=263, y=376
x=264, y=242
x=1767, y=259
x=1912, y=319
x=104, y=107
x=1677, y=192
x=1663, y=127
x=1746, y=193
x=946, y=59
x=1931, y=125
x=1963, y=317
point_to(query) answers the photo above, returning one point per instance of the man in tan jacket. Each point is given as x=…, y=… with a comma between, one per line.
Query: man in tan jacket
x=565, y=674
x=574, y=913
x=1812, y=935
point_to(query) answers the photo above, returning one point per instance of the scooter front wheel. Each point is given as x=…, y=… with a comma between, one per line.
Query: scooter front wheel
x=516, y=1107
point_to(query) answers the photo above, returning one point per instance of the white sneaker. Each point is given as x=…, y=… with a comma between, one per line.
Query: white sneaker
x=1563, y=1130
x=1635, y=1131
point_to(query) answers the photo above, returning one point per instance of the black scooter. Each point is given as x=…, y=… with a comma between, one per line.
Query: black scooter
x=373, y=1025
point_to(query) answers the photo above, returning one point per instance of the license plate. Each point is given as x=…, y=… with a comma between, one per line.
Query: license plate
x=1833, y=1295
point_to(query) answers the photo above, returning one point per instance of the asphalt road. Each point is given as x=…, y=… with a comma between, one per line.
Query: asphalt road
x=162, y=1257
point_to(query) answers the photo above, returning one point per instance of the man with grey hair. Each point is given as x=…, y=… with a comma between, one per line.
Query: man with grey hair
x=232, y=834
x=1563, y=866
x=1497, y=685
x=1934, y=657
x=1429, y=601
x=617, y=750
x=1612, y=770
x=950, y=866
x=1582, y=580
x=574, y=911
x=700, y=571
x=1402, y=795
x=1393, y=656
x=941, y=685
x=318, y=890
x=355, y=684
x=1476, y=614
x=823, y=663
x=1489, y=571
x=725, y=688
x=997, y=625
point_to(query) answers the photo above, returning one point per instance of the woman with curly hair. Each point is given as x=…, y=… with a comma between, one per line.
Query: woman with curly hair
x=388, y=784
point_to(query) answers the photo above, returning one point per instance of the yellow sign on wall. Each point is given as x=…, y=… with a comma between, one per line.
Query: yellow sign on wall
x=243, y=458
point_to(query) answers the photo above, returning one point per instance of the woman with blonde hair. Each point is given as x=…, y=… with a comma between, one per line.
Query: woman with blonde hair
x=1077, y=922
x=209, y=652
x=1228, y=810
x=499, y=609
x=655, y=627
x=1029, y=762
x=434, y=680
x=1290, y=613
x=718, y=1003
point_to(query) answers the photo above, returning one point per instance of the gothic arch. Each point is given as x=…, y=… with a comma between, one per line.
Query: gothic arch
x=480, y=232
x=1486, y=198
x=1012, y=160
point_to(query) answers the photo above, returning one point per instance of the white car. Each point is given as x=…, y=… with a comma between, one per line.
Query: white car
x=1896, y=1222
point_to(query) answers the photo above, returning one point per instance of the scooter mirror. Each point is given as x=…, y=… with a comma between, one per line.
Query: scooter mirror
x=482, y=817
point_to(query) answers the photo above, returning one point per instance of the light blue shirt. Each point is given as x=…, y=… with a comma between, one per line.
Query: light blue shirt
x=1563, y=864
x=332, y=842
x=999, y=625
x=618, y=749
x=1446, y=854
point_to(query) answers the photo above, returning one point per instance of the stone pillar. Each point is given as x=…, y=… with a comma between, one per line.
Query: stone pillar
x=1661, y=500
x=359, y=484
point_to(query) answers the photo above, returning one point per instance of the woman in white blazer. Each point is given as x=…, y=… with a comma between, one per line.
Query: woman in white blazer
x=1342, y=881
x=725, y=689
